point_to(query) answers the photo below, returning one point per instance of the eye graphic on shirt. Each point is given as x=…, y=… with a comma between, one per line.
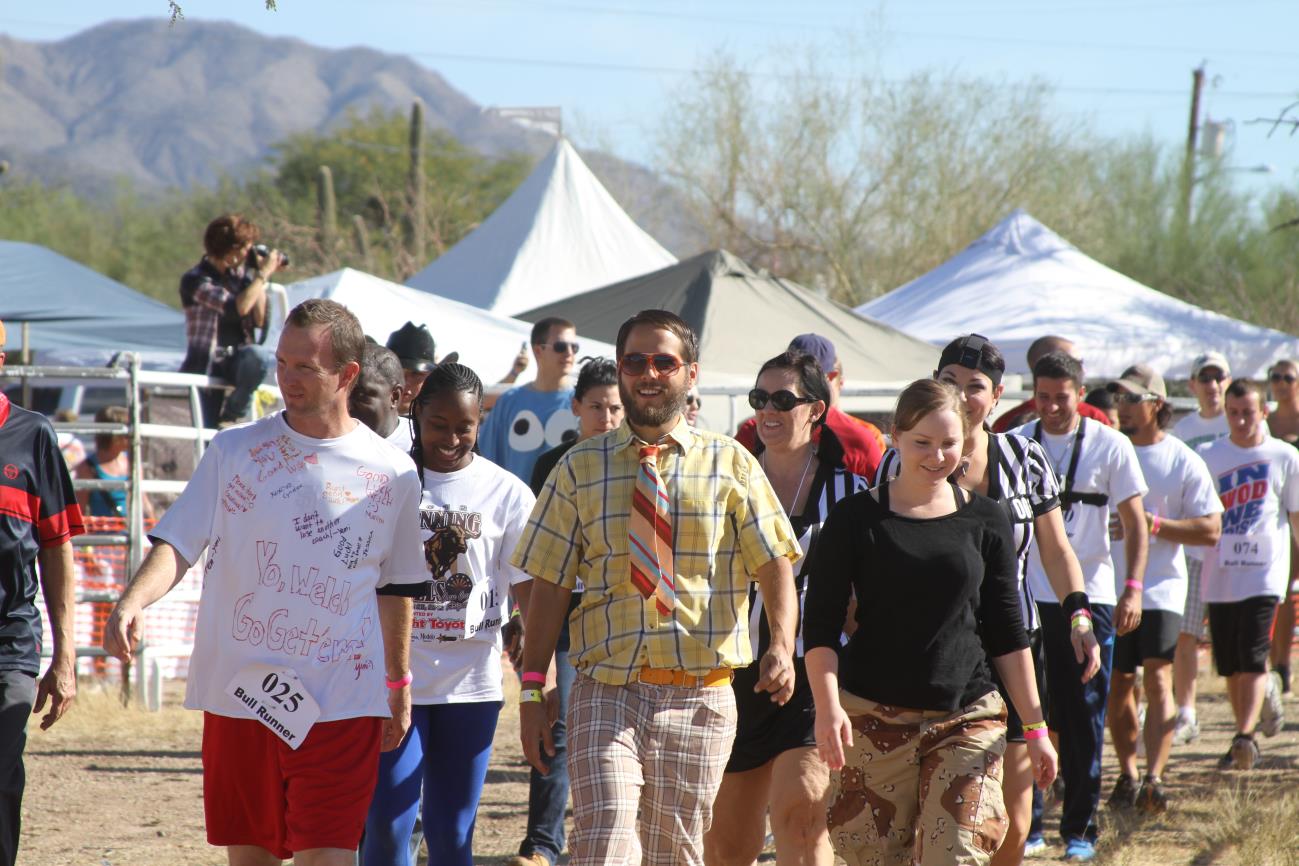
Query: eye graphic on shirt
x=526, y=432
x=559, y=428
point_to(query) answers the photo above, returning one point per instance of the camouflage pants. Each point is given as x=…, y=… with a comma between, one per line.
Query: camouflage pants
x=919, y=786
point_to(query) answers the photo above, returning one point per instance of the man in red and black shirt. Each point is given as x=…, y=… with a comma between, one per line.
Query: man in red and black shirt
x=38, y=517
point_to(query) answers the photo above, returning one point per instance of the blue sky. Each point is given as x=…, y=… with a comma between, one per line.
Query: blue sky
x=1124, y=65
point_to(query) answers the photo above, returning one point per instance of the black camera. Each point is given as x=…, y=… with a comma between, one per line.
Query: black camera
x=257, y=255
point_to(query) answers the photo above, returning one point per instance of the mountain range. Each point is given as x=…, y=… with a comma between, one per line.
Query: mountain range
x=176, y=105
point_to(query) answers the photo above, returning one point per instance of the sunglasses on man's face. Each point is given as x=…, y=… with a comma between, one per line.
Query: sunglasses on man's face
x=1206, y=378
x=1134, y=399
x=694, y=401
x=781, y=401
x=636, y=363
x=561, y=347
x=1288, y=378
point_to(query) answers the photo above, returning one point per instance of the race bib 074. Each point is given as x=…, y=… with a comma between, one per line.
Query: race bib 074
x=276, y=697
x=1245, y=551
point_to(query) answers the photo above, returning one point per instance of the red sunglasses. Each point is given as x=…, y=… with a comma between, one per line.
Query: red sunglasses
x=636, y=363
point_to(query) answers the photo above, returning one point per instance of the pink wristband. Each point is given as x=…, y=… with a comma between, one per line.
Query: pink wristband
x=401, y=683
x=1036, y=733
x=1154, y=524
x=1134, y=584
x=1083, y=611
x=533, y=677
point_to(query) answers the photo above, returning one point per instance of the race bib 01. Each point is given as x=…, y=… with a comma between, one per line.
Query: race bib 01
x=1247, y=552
x=276, y=697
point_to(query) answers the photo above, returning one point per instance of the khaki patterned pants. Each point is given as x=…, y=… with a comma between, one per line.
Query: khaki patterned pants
x=644, y=765
x=920, y=786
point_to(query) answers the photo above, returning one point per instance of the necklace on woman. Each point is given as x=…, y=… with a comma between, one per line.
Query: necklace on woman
x=789, y=510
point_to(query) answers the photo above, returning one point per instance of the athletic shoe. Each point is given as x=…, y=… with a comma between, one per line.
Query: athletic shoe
x=1244, y=752
x=1124, y=795
x=1079, y=851
x=1226, y=762
x=1272, y=718
x=1187, y=730
x=1151, y=799
x=1034, y=846
x=534, y=859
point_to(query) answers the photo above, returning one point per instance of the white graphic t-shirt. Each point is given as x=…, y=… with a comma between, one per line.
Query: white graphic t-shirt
x=1258, y=488
x=1107, y=466
x=1180, y=488
x=296, y=534
x=470, y=522
x=400, y=437
x=1196, y=430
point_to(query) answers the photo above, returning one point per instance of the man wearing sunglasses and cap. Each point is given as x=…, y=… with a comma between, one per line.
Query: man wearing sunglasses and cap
x=1181, y=508
x=863, y=444
x=666, y=526
x=529, y=420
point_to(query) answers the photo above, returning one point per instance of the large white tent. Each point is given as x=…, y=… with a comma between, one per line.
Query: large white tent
x=1021, y=281
x=485, y=341
x=559, y=234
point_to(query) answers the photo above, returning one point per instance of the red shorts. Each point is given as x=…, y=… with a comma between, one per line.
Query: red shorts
x=258, y=791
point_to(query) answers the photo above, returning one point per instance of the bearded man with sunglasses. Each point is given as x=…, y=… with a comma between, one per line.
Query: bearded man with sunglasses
x=527, y=421
x=666, y=526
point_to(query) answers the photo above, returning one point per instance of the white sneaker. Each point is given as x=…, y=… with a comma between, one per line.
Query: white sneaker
x=1141, y=729
x=1272, y=718
x=1187, y=730
x=1034, y=846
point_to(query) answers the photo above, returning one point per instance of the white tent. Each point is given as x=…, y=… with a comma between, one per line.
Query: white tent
x=486, y=341
x=1021, y=281
x=559, y=234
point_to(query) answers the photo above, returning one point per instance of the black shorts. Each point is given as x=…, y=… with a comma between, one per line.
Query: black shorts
x=1014, y=724
x=764, y=729
x=1155, y=638
x=1241, y=632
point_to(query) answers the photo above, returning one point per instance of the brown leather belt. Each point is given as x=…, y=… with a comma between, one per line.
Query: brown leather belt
x=682, y=679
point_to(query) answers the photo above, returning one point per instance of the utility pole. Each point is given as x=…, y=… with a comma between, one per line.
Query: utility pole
x=1192, y=132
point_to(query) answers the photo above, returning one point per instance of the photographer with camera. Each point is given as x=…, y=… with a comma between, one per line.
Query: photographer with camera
x=224, y=297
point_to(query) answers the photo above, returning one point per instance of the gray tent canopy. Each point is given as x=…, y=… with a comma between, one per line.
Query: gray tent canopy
x=75, y=312
x=744, y=317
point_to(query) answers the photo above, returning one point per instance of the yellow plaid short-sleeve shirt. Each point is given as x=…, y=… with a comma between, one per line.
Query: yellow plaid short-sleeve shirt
x=726, y=524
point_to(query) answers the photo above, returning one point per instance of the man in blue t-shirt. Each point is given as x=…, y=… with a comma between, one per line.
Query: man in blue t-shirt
x=533, y=418
x=38, y=517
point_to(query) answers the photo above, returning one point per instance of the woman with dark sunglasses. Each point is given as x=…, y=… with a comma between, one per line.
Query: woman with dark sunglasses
x=1283, y=423
x=1014, y=470
x=773, y=762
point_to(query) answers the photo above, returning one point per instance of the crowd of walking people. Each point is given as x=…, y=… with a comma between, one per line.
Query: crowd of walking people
x=891, y=648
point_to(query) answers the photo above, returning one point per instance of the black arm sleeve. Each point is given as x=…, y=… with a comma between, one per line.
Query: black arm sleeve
x=834, y=561
x=1002, y=626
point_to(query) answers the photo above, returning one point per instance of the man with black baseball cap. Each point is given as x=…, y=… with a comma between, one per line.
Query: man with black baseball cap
x=1181, y=508
x=414, y=347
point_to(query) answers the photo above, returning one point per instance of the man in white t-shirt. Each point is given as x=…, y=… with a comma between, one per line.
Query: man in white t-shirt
x=1210, y=378
x=1098, y=469
x=1181, y=508
x=1257, y=479
x=377, y=394
x=305, y=524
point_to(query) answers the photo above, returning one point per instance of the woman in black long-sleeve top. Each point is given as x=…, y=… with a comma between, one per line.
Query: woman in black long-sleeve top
x=907, y=715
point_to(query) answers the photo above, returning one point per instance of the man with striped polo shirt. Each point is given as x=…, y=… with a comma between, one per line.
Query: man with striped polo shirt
x=666, y=526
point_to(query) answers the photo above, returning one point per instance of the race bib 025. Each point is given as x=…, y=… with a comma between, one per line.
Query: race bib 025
x=276, y=697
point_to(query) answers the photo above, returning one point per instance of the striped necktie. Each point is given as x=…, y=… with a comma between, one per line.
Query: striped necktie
x=650, y=534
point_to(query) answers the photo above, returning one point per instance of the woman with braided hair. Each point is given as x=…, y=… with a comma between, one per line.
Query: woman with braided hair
x=471, y=515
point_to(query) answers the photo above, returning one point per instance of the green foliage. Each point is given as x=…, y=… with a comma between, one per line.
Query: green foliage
x=857, y=185
x=148, y=242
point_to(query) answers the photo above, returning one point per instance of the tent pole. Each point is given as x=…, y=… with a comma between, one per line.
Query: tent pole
x=25, y=356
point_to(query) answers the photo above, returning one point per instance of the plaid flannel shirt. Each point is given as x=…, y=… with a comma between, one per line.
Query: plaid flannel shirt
x=208, y=297
x=726, y=522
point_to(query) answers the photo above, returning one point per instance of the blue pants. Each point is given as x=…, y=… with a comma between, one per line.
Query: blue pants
x=245, y=369
x=446, y=754
x=1077, y=714
x=548, y=795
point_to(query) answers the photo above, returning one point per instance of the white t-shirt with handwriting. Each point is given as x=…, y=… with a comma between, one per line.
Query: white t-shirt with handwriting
x=1258, y=487
x=296, y=534
x=470, y=522
x=1107, y=464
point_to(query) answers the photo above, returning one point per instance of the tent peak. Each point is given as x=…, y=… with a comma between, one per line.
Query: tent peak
x=1020, y=234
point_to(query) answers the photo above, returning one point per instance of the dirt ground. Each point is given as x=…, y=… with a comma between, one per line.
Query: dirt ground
x=110, y=786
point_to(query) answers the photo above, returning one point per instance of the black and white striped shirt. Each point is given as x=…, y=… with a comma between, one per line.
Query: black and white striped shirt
x=830, y=485
x=1021, y=479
